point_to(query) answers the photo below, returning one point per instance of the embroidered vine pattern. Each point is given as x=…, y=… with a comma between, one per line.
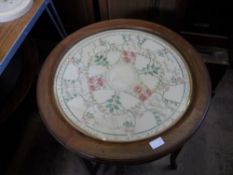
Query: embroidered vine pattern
x=113, y=104
x=70, y=91
x=129, y=56
x=151, y=69
x=128, y=124
x=142, y=92
x=158, y=117
x=130, y=51
x=101, y=60
x=96, y=83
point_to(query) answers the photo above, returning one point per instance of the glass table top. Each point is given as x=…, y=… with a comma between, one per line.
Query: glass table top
x=122, y=85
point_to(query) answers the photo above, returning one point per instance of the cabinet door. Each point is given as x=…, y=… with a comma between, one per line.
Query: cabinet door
x=144, y=9
x=75, y=13
x=168, y=12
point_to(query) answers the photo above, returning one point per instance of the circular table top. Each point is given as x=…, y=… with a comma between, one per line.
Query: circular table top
x=12, y=9
x=122, y=85
x=123, y=82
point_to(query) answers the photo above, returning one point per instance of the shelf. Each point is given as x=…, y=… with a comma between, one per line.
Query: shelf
x=13, y=33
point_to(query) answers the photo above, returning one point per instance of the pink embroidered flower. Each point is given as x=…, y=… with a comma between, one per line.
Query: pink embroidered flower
x=95, y=83
x=100, y=81
x=142, y=92
x=148, y=92
x=127, y=60
x=142, y=97
x=129, y=56
x=92, y=87
x=137, y=89
x=125, y=53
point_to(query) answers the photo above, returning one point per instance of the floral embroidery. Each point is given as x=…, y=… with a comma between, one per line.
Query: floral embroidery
x=70, y=89
x=129, y=56
x=163, y=52
x=89, y=118
x=101, y=60
x=128, y=126
x=158, y=117
x=113, y=104
x=96, y=82
x=138, y=89
x=118, y=82
x=142, y=92
x=177, y=80
x=151, y=69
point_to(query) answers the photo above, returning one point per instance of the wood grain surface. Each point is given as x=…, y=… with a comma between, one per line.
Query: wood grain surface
x=111, y=9
x=11, y=31
x=132, y=152
x=76, y=14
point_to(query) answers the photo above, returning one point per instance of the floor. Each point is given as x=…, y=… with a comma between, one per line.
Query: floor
x=209, y=151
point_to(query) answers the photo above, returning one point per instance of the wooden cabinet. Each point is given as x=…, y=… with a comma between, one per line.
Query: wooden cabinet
x=75, y=13
x=168, y=12
x=78, y=13
x=110, y=9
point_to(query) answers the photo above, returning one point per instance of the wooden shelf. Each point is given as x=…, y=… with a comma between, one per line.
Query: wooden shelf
x=13, y=33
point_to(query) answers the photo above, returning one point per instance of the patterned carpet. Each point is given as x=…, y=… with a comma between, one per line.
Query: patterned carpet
x=209, y=151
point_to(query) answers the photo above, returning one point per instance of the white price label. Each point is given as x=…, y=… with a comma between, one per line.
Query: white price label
x=156, y=143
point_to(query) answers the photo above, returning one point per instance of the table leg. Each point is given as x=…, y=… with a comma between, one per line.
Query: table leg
x=55, y=23
x=52, y=12
x=57, y=17
x=173, y=164
x=91, y=166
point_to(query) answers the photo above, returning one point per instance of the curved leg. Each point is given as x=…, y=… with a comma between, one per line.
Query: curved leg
x=91, y=166
x=173, y=164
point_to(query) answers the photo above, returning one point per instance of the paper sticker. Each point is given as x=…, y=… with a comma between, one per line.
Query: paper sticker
x=156, y=143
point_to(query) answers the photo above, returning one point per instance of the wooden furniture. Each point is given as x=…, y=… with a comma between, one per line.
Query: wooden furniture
x=76, y=14
x=26, y=69
x=109, y=9
x=10, y=10
x=12, y=36
x=124, y=151
x=13, y=33
x=167, y=12
x=215, y=52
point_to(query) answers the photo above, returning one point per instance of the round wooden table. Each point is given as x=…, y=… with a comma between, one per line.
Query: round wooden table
x=112, y=90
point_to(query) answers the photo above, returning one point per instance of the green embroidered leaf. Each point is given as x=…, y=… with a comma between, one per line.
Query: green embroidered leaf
x=128, y=124
x=101, y=60
x=89, y=115
x=116, y=107
x=110, y=100
x=109, y=105
x=113, y=104
x=150, y=69
x=157, y=117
